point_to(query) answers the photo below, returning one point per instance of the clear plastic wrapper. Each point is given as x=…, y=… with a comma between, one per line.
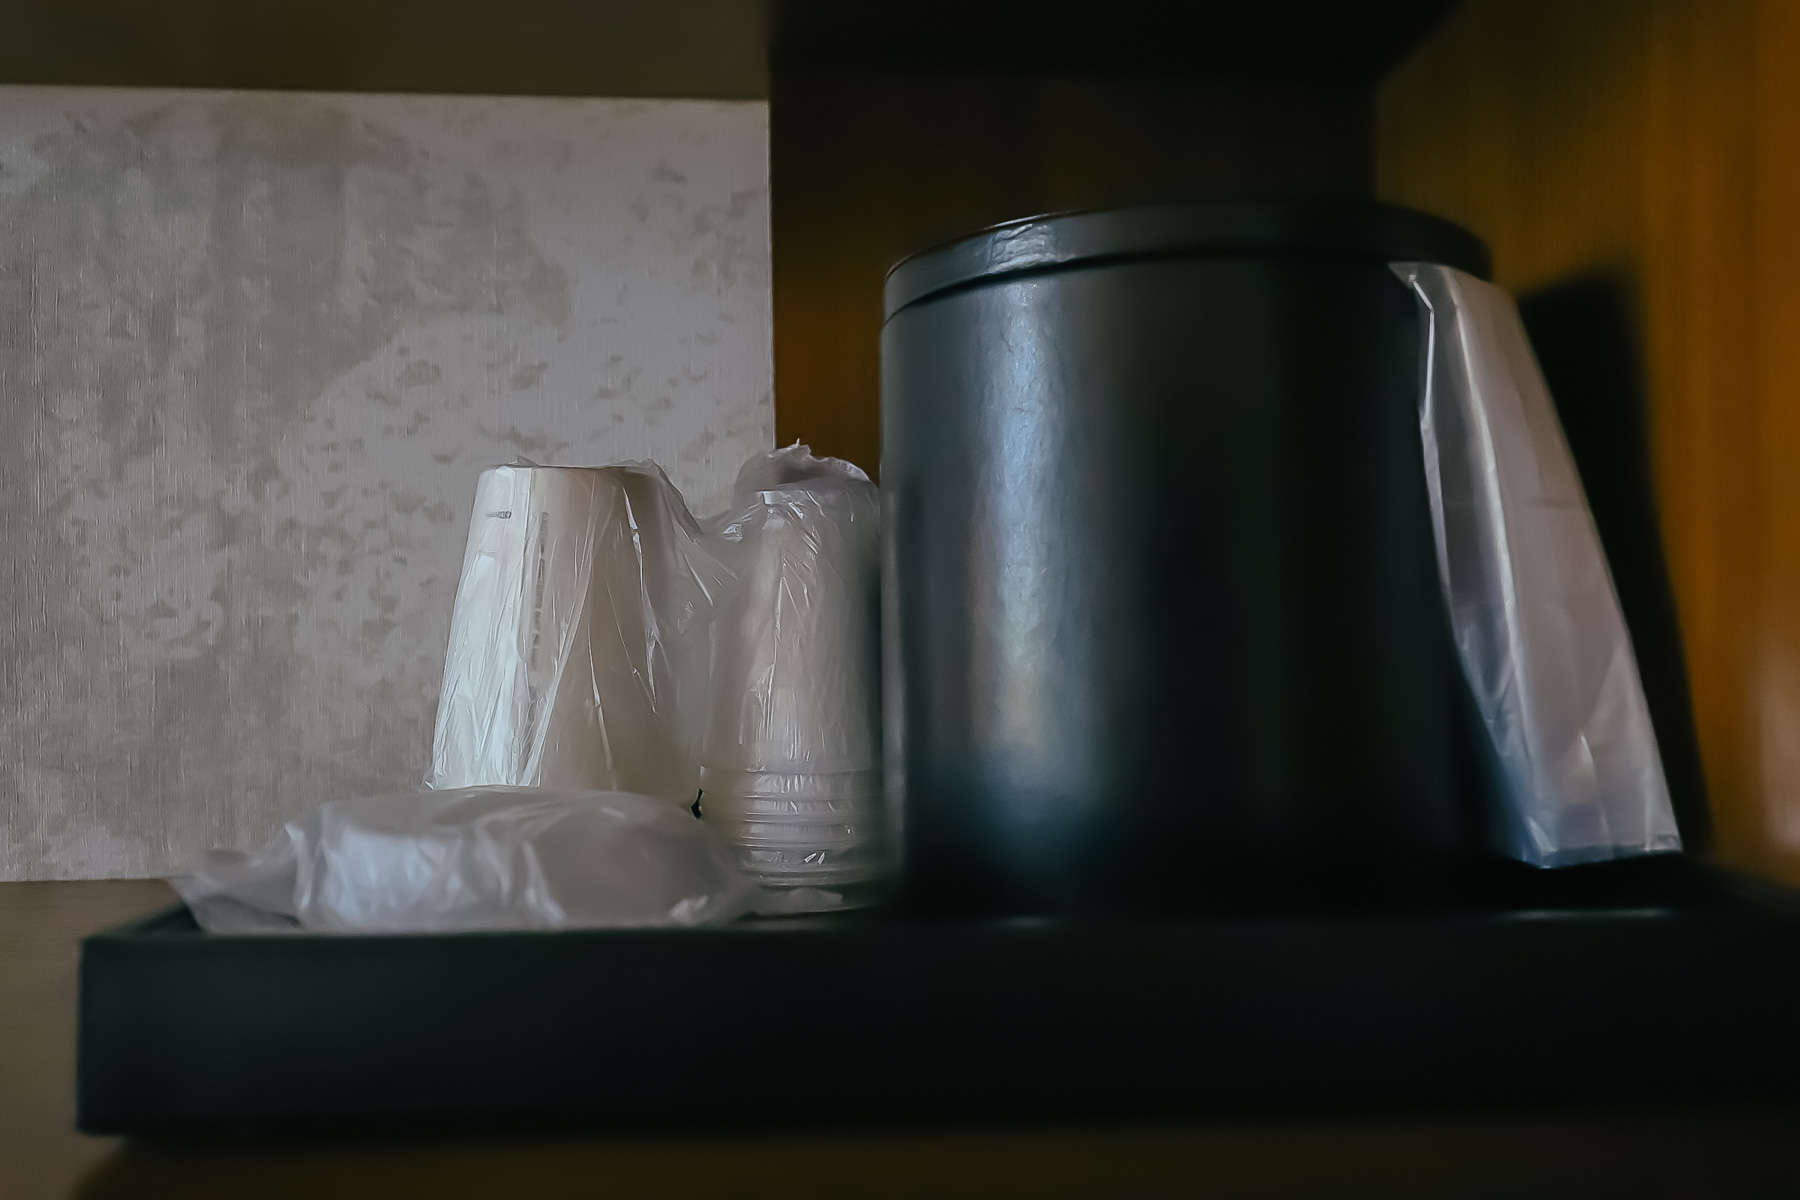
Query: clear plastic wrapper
x=791, y=807
x=810, y=865
x=578, y=649
x=487, y=858
x=792, y=785
x=795, y=685
x=796, y=650
x=813, y=896
x=1537, y=623
x=803, y=831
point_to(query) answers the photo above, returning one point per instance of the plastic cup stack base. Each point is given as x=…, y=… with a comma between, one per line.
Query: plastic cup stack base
x=815, y=843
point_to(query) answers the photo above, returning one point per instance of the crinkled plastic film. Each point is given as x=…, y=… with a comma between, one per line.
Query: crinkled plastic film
x=577, y=652
x=791, y=758
x=1537, y=624
x=474, y=859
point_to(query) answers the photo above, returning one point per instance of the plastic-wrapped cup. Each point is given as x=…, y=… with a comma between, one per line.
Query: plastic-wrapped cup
x=801, y=866
x=796, y=787
x=782, y=833
x=791, y=760
x=791, y=810
x=796, y=663
x=572, y=645
x=837, y=837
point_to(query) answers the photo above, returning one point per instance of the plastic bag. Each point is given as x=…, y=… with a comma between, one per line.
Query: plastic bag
x=577, y=652
x=475, y=859
x=796, y=651
x=1537, y=624
x=791, y=759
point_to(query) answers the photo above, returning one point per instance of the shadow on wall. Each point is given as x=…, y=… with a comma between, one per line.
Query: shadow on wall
x=1585, y=331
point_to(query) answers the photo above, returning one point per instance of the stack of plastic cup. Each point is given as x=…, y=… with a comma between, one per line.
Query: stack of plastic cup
x=791, y=761
x=799, y=830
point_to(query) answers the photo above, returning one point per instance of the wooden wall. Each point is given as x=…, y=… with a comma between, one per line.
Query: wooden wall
x=867, y=168
x=1635, y=165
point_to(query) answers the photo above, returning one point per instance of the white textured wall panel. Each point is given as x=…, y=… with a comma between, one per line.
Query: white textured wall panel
x=253, y=350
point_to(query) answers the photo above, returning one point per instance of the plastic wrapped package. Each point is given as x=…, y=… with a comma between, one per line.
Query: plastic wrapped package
x=791, y=758
x=1537, y=624
x=795, y=829
x=796, y=647
x=577, y=650
x=475, y=859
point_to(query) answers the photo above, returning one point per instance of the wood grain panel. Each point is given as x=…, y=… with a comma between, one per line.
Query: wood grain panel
x=869, y=168
x=1640, y=154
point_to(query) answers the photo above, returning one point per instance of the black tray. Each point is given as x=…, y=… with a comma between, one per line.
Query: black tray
x=1666, y=991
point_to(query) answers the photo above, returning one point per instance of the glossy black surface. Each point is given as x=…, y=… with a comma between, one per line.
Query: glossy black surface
x=1163, y=616
x=1326, y=228
x=1656, y=993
